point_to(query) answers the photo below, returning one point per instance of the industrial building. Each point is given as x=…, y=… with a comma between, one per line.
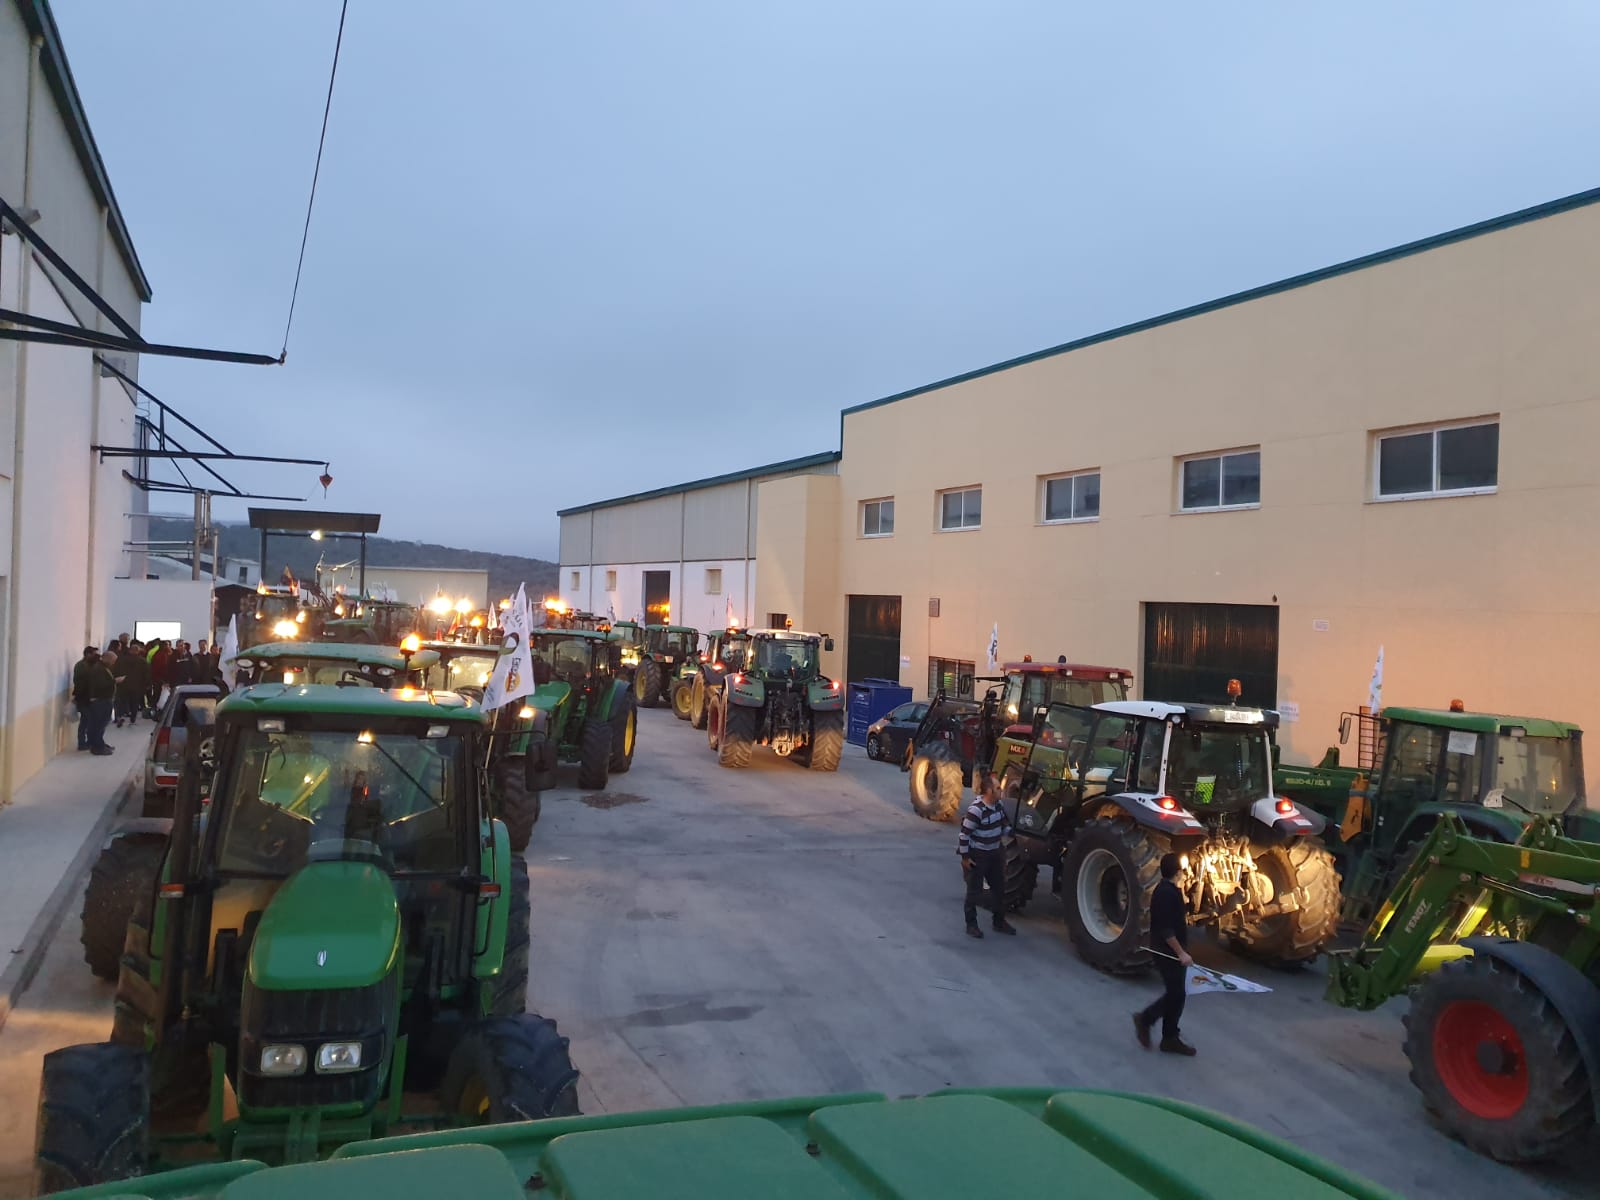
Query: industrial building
x=1396, y=451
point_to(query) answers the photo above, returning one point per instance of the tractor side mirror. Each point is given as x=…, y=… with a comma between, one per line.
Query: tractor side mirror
x=1344, y=729
x=964, y=685
x=827, y=644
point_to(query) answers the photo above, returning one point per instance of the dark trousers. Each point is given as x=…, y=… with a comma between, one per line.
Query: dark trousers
x=987, y=866
x=99, y=718
x=127, y=706
x=1170, y=1005
x=84, y=721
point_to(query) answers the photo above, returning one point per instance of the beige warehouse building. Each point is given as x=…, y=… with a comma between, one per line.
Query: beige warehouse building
x=1399, y=451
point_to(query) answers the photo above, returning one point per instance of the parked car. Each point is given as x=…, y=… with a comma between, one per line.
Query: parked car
x=888, y=735
x=164, y=757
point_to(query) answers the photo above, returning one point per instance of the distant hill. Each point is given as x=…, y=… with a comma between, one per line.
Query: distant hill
x=506, y=571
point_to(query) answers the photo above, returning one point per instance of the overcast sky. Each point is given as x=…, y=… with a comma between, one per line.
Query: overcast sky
x=557, y=245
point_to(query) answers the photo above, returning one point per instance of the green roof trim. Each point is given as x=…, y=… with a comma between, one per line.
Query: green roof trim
x=1491, y=723
x=360, y=653
x=1492, y=225
x=325, y=700
x=778, y=468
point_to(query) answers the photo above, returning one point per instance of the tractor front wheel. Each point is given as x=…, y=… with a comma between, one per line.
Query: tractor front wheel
x=1496, y=1063
x=519, y=803
x=1110, y=871
x=594, y=755
x=624, y=736
x=1303, y=871
x=124, y=871
x=827, y=740
x=510, y=996
x=936, y=782
x=680, y=700
x=647, y=683
x=737, y=740
x=511, y=1069
x=698, y=707
x=94, y=1117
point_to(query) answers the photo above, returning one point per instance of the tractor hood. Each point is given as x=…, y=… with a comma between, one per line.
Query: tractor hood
x=332, y=925
x=549, y=696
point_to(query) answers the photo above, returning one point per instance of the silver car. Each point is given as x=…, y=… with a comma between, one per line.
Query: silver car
x=163, y=761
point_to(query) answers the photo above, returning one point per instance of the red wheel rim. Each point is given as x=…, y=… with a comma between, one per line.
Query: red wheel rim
x=1479, y=1057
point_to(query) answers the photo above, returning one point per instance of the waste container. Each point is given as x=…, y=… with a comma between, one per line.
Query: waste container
x=868, y=700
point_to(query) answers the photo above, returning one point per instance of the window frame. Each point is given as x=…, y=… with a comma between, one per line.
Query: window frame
x=1221, y=456
x=938, y=509
x=611, y=581
x=1433, y=430
x=861, y=524
x=710, y=572
x=1045, y=481
x=576, y=580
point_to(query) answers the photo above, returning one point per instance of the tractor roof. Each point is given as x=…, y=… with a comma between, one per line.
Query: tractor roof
x=1481, y=722
x=1077, y=670
x=1199, y=714
x=674, y=628
x=793, y=635
x=593, y=635
x=313, y=699
x=359, y=653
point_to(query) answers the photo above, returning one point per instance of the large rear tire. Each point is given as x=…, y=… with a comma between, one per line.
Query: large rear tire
x=124, y=871
x=738, y=736
x=594, y=755
x=1022, y=877
x=1110, y=871
x=94, y=1117
x=647, y=683
x=936, y=782
x=1496, y=1063
x=510, y=996
x=827, y=740
x=1305, y=870
x=519, y=803
x=699, y=702
x=511, y=1069
x=624, y=736
x=681, y=691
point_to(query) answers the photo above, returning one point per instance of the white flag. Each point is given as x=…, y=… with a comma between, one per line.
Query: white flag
x=994, y=648
x=611, y=612
x=229, y=651
x=1199, y=980
x=512, y=677
x=733, y=619
x=1375, y=688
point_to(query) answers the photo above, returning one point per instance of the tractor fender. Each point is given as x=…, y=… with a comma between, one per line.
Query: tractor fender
x=1145, y=810
x=1297, y=822
x=750, y=693
x=1573, y=996
x=824, y=696
x=611, y=699
x=160, y=827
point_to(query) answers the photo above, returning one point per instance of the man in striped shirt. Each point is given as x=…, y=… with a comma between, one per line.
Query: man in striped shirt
x=983, y=833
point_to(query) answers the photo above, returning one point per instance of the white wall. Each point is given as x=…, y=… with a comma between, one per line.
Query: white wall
x=186, y=601
x=691, y=603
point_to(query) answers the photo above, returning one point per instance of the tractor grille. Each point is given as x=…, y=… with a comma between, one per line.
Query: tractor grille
x=309, y=1019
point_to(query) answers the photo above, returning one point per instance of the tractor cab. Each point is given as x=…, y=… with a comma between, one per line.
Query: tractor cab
x=462, y=667
x=1030, y=686
x=283, y=612
x=339, y=664
x=370, y=621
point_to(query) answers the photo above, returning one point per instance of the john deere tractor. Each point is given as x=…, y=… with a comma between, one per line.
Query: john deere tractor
x=377, y=622
x=330, y=663
x=726, y=653
x=332, y=943
x=652, y=657
x=779, y=698
x=1100, y=793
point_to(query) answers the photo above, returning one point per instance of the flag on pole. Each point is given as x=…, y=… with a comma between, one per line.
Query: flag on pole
x=512, y=677
x=994, y=648
x=733, y=618
x=1199, y=980
x=229, y=651
x=1375, y=688
x=611, y=612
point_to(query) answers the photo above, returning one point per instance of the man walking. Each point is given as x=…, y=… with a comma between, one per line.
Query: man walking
x=983, y=833
x=1169, y=938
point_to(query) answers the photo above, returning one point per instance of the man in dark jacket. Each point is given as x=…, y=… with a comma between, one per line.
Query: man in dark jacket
x=180, y=667
x=1169, y=938
x=80, y=692
x=97, y=692
x=132, y=674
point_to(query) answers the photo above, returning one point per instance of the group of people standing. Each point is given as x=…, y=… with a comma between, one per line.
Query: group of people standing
x=127, y=680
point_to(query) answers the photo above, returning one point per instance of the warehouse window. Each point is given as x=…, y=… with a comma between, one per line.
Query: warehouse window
x=1447, y=460
x=713, y=581
x=611, y=581
x=961, y=509
x=1230, y=480
x=951, y=676
x=877, y=517
x=575, y=577
x=1064, y=498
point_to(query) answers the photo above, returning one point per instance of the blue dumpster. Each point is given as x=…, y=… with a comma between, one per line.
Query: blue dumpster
x=868, y=700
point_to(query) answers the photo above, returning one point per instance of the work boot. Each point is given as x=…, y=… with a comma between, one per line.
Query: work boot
x=1176, y=1045
x=973, y=930
x=1141, y=1029
x=1004, y=926
x=100, y=750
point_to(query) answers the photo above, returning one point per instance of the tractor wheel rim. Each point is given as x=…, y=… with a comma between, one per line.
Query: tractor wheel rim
x=1102, y=896
x=629, y=730
x=1480, y=1059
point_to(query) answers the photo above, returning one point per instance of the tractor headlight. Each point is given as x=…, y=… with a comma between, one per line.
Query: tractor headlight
x=285, y=630
x=281, y=1060
x=335, y=1057
x=525, y=713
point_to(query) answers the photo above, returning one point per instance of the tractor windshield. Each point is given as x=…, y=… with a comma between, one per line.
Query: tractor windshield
x=565, y=658
x=389, y=798
x=794, y=657
x=676, y=641
x=1029, y=691
x=1538, y=774
x=462, y=672
x=319, y=670
x=1208, y=764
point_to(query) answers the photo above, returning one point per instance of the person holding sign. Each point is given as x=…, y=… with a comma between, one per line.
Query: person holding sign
x=1169, y=939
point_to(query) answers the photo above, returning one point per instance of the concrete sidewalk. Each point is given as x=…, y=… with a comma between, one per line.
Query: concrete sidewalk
x=49, y=835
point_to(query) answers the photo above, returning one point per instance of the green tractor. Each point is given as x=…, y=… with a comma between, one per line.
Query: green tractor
x=1100, y=793
x=579, y=712
x=330, y=943
x=653, y=656
x=779, y=697
x=1498, y=945
x=727, y=652
x=374, y=622
x=1496, y=773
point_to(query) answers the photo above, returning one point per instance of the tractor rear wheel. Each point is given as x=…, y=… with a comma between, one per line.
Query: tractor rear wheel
x=124, y=871
x=94, y=1117
x=714, y=725
x=737, y=739
x=519, y=803
x=936, y=782
x=698, y=705
x=827, y=740
x=1022, y=877
x=624, y=736
x=511, y=1069
x=511, y=986
x=1304, y=870
x=1110, y=870
x=594, y=755
x=1496, y=1064
x=680, y=700
x=647, y=683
